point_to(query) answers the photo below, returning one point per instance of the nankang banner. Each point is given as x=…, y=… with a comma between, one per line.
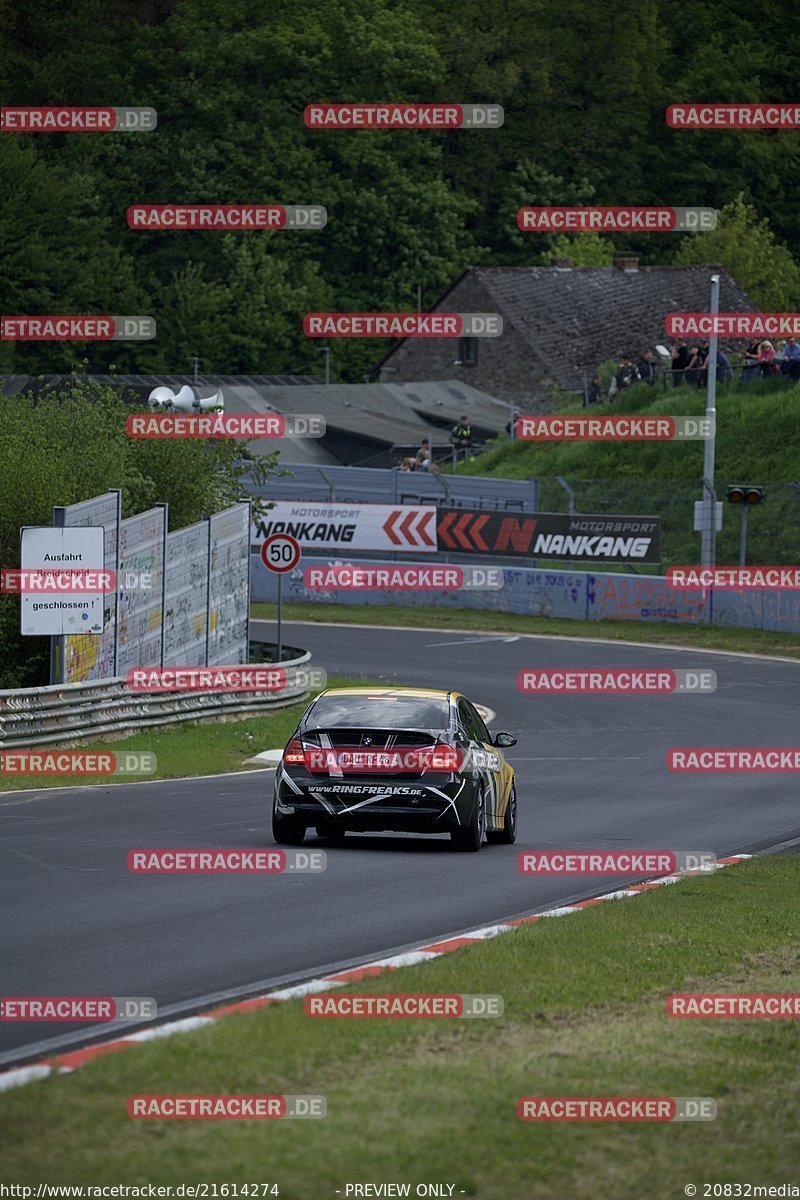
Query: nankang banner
x=326, y=525
x=588, y=536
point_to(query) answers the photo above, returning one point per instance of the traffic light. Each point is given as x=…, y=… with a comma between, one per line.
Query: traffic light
x=744, y=493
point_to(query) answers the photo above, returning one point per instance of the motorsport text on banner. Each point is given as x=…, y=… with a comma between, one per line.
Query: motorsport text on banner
x=617, y=428
x=606, y=219
x=402, y=325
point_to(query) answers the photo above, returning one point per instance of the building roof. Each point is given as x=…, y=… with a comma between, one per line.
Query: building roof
x=574, y=318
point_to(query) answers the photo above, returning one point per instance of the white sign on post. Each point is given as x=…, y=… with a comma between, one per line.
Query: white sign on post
x=52, y=606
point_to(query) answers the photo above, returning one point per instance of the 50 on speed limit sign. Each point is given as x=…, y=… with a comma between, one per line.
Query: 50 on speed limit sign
x=280, y=552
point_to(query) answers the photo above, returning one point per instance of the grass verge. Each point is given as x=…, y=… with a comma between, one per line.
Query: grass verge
x=422, y=1101
x=208, y=748
x=703, y=637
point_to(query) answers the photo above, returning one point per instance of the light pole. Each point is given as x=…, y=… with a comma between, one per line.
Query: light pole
x=708, y=542
x=326, y=350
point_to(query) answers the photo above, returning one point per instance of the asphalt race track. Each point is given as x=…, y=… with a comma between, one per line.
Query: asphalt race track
x=591, y=773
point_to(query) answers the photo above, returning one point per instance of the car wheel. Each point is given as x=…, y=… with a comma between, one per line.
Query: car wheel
x=470, y=837
x=508, y=833
x=288, y=831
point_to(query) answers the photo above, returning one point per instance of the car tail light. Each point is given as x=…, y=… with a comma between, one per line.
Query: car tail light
x=294, y=755
x=442, y=758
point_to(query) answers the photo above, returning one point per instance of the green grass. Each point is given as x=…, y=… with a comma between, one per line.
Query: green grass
x=422, y=1101
x=207, y=748
x=758, y=441
x=703, y=637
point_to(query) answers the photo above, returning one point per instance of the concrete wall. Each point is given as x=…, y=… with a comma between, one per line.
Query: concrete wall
x=580, y=595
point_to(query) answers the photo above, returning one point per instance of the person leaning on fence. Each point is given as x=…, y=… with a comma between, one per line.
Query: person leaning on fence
x=766, y=360
x=792, y=356
x=750, y=369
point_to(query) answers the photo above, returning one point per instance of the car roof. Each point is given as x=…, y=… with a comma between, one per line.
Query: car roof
x=428, y=693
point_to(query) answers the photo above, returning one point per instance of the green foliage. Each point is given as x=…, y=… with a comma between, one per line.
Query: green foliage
x=745, y=245
x=584, y=91
x=70, y=444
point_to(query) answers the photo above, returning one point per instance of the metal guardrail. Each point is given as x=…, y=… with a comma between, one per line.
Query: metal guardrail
x=72, y=712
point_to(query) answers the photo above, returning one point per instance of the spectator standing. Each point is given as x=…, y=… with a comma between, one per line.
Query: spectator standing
x=724, y=368
x=780, y=357
x=647, y=367
x=680, y=357
x=692, y=373
x=751, y=370
x=792, y=356
x=766, y=360
x=626, y=374
x=461, y=435
x=596, y=390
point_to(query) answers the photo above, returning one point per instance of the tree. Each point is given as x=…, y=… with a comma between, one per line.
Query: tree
x=745, y=245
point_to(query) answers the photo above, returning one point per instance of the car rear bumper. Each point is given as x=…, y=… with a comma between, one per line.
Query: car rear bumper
x=440, y=803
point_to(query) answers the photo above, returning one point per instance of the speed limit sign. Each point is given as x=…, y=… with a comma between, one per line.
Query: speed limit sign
x=280, y=552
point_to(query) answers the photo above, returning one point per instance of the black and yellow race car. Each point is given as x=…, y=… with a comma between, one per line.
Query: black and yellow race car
x=406, y=759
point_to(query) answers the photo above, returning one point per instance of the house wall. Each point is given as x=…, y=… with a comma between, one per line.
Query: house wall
x=506, y=367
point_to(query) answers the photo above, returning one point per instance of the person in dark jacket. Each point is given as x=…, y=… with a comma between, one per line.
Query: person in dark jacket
x=595, y=390
x=680, y=358
x=647, y=367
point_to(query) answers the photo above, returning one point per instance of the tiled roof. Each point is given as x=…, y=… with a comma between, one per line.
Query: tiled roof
x=574, y=319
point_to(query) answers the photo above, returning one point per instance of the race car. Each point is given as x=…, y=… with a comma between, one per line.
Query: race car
x=405, y=759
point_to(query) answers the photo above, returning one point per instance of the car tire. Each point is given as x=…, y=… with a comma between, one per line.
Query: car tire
x=288, y=831
x=508, y=834
x=470, y=837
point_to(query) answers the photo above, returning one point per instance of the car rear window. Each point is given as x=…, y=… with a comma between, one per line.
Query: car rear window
x=382, y=712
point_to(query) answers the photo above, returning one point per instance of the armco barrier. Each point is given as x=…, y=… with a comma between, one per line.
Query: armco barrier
x=579, y=595
x=71, y=712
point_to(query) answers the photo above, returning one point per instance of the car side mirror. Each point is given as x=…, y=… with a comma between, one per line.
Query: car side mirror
x=504, y=739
